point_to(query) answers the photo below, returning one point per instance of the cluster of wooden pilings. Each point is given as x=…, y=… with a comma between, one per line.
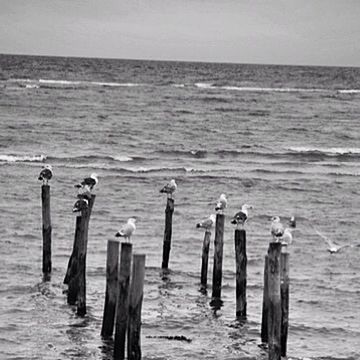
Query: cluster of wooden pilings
x=125, y=283
x=123, y=299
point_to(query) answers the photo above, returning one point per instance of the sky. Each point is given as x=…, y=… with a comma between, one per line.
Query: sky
x=299, y=32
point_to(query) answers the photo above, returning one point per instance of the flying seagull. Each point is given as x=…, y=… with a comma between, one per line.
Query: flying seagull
x=80, y=205
x=169, y=188
x=276, y=229
x=88, y=182
x=221, y=204
x=208, y=223
x=332, y=246
x=45, y=174
x=127, y=229
x=241, y=217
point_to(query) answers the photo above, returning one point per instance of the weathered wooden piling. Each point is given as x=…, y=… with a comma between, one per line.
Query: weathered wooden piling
x=205, y=260
x=241, y=272
x=112, y=269
x=71, y=277
x=274, y=311
x=284, y=287
x=218, y=256
x=46, y=229
x=265, y=304
x=122, y=301
x=169, y=210
x=135, y=304
x=73, y=256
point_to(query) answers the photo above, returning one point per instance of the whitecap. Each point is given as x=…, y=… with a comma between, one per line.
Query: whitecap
x=22, y=158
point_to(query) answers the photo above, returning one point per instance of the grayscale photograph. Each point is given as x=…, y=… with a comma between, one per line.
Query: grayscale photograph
x=180, y=180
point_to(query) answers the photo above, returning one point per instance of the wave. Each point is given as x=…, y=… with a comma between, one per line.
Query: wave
x=22, y=158
x=332, y=151
x=187, y=153
x=268, y=89
x=349, y=91
x=53, y=83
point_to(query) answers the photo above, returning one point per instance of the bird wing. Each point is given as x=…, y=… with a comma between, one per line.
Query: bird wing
x=127, y=229
x=207, y=223
x=326, y=239
x=277, y=229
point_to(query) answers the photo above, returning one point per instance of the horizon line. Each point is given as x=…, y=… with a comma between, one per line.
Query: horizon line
x=180, y=61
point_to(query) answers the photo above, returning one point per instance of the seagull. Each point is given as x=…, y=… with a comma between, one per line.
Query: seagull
x=277, y=228
x=88, y=182
x=292, y=222
x=127, y=229
x=208, y=223
x=221, y=204
x=169, y=188
x=45, y=174
x=332, y=246
x=80, y=205
x=287, y=237
x=241, y=217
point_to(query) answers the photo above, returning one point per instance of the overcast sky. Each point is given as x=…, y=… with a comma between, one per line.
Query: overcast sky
x=309, y=32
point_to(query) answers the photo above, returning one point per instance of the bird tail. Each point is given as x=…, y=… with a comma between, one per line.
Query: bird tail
x=233, y=221
x=40, y=178
x=78, y=186
x=198, y=225
x=119, y=234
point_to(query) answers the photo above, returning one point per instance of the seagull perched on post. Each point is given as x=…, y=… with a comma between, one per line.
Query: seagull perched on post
x=334, y=247
x=127, y=229
x=88, y=182
x=276, y=229
x=208, y=223
x=80, y=205
x=45, y=174
x=221, y=204
x=241, y=217
x=169, y=188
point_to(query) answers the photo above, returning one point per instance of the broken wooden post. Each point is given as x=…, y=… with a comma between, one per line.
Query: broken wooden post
x=274, y=312
x=241, y=262
x=218, y=256
x=112, y=268
x=167, y=233
x=284, y=286
x=46, y=230
x=205, y=260
x=135, y=304
x=265, y=304
x=122, y=301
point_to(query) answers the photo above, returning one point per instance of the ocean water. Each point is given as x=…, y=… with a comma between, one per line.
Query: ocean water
x=285, y=139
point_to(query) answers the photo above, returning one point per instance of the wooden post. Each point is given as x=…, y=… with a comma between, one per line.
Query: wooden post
x=84, y=231
x=123, y=301
x=218, y=256
x=241, y=262
x=112, y=269
x=167, y=233
x=135, y=304
x=72, y=260
x=265, y=305
x=205, y=259
x=71, y=275
x=274, y=312
x=284, y=279
x=46, y=230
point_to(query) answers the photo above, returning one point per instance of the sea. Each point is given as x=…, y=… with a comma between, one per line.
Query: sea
x=285, y=139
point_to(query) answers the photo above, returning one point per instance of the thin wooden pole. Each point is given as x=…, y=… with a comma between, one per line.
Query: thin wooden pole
x=84, y=233
x=284, y=287
x=205, y=259
x=135, y=304
x=169, y=210
x=46, y=229
x=218, y=256
x=112, y=269
x=241, y=262
x=71, y=274
x=265, y=305
x=123, y=301
x=274, y=314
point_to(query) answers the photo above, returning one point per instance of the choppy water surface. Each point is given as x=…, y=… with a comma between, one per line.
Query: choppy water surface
x=285, y=139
